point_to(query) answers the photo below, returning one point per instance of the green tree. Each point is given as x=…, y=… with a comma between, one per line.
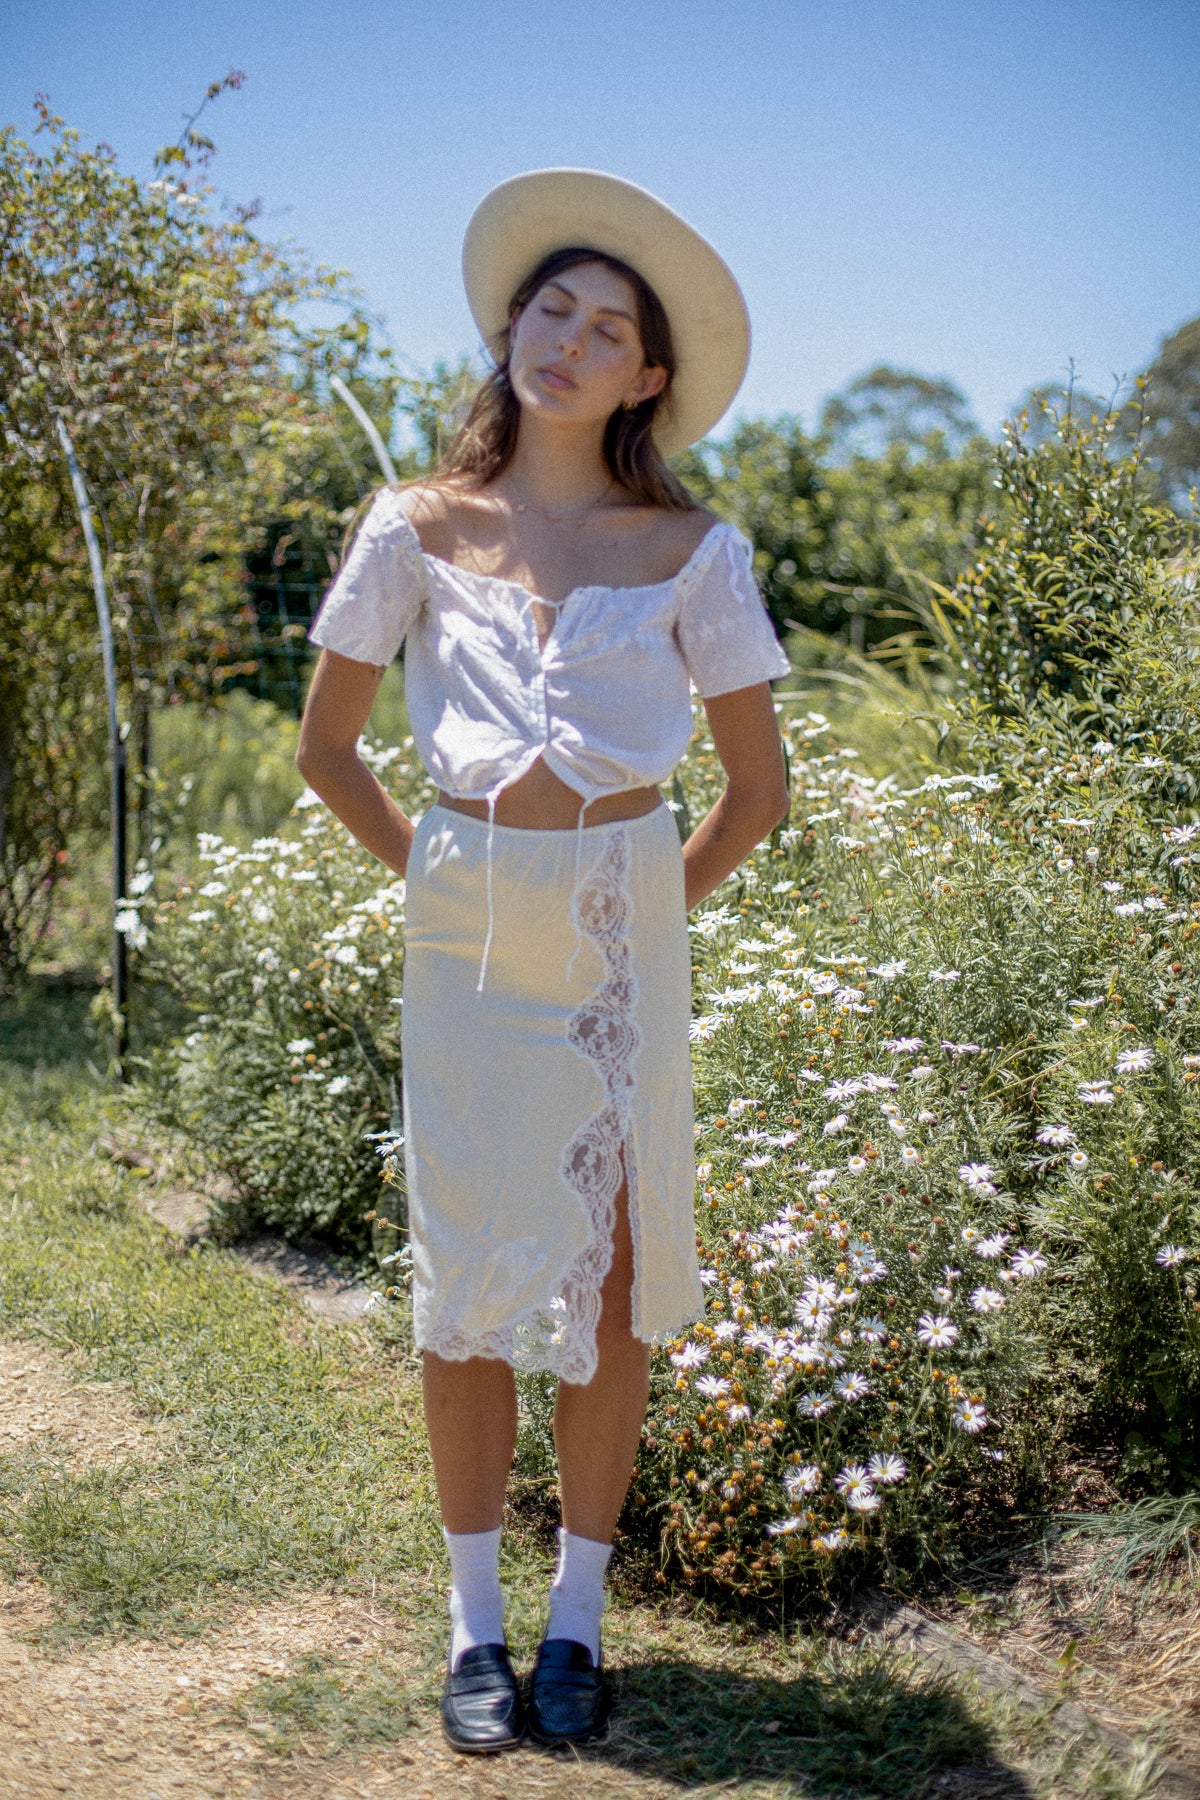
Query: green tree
x=1172, y=405
x=889, y=406
x=765, y=478
x=171, y=341
x=845, y=547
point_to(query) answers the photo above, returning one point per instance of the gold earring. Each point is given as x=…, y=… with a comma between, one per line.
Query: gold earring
x=630, y=405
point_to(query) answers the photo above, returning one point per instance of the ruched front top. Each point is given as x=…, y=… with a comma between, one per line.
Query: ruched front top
x=605, y=701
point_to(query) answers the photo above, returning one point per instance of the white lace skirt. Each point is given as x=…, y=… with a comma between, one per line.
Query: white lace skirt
x=527, y=1103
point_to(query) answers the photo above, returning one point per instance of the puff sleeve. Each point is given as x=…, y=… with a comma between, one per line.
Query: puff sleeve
x=379, y=590
x=722, y=628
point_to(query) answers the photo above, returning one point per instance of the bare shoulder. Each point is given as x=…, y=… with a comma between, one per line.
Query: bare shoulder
x=678, y=535
x=432, y=512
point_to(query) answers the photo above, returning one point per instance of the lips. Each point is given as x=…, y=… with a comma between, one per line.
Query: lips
x=556, y=378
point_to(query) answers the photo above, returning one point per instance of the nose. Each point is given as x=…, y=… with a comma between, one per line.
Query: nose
x=568, y=342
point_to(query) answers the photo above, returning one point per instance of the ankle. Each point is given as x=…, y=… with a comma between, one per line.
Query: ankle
x=577, y=1594
x=476, y=1599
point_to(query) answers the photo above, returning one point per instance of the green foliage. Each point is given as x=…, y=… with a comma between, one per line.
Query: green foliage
x=876, y=412
x=170, y=342
x=1074, y=559
x=1172, y=404
x=230, y=770
x=846, y=545
x=288, y=959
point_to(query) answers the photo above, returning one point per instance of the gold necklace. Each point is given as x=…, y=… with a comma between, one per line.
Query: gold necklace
x=557, y=515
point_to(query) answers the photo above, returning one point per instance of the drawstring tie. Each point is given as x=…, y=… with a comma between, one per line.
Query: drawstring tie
x=493, y=795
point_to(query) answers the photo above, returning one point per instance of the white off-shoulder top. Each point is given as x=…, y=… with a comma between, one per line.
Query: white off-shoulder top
x=606, y=700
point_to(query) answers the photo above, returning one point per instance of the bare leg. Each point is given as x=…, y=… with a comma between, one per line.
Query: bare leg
x=597, y=1427
x=471, y=1417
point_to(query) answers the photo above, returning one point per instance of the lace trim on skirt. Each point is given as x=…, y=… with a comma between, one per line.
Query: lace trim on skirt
x=603, y=1029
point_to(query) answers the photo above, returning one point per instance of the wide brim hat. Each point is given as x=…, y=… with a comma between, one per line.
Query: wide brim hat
x=528, y=216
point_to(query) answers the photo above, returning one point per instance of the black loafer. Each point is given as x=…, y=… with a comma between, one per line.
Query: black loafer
x=481, y=1702
x=569, y=1699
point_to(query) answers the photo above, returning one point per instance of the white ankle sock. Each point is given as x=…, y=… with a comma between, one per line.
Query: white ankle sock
x=577, y=1596
x=476, y=1603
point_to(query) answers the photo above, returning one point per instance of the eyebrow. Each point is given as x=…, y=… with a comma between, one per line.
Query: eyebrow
x=571, y=295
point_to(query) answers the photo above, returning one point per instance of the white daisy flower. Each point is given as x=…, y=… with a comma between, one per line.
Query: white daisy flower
x=857, y=1165
x=728, y=1328
x=945, y=975
x=991, y=1247
x=910, y=1155
x=835, y=1126
x=975, y=1174
x=300, y=1046
x=938, y=1333
x=823, y=1291
x=853, y=1476
x=987, y=1300
x=1028, y=1262
x=713, y=1387
x=784, y=1527
x=1078, y=1160
x=902, y=1045
x=969, y=1416
x=852, y=1387
x=1095, y=1093
x=815, y=1405
x=1134, y=1062
x=887, y=1470
x=737, y=1415
x=872, y=1330
x=832, y=1541
x=1170, y=1256
x=1057, y=1136
x=806, y=1478
x=692, y=1356
x=812, y=1314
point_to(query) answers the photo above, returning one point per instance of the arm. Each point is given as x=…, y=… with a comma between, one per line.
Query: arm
x=339, y=704
x=746, y=738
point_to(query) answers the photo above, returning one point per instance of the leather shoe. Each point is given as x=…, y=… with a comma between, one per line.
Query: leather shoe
x=481, y=1702
x=569, y=1698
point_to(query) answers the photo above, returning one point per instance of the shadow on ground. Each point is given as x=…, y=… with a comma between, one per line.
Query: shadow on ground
x=857, y=1722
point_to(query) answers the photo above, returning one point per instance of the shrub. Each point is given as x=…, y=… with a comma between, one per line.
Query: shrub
x=288, y=960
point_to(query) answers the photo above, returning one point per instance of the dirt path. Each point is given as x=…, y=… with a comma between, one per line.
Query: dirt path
x=238, y=1711
x=146, y=1719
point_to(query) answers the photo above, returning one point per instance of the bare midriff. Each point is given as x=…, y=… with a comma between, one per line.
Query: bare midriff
x=539, y=801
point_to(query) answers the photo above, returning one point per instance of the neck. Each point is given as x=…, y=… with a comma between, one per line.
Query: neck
x=558, y=468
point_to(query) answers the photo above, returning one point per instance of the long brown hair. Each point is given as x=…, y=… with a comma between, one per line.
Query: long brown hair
x=484, y=445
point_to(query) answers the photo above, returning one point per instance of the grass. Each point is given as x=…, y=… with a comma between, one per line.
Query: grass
x=340, y=1703
x=1141, y=1539
x=290, y=1459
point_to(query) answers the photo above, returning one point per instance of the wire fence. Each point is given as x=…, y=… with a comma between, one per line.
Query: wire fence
x=274, y=653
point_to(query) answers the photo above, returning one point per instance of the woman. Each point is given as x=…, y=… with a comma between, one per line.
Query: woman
x=557, y=587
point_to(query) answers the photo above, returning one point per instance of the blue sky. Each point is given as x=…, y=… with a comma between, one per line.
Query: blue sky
x=981, y=189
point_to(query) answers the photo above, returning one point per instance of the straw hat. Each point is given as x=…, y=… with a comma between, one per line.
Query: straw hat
x=528, y=216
